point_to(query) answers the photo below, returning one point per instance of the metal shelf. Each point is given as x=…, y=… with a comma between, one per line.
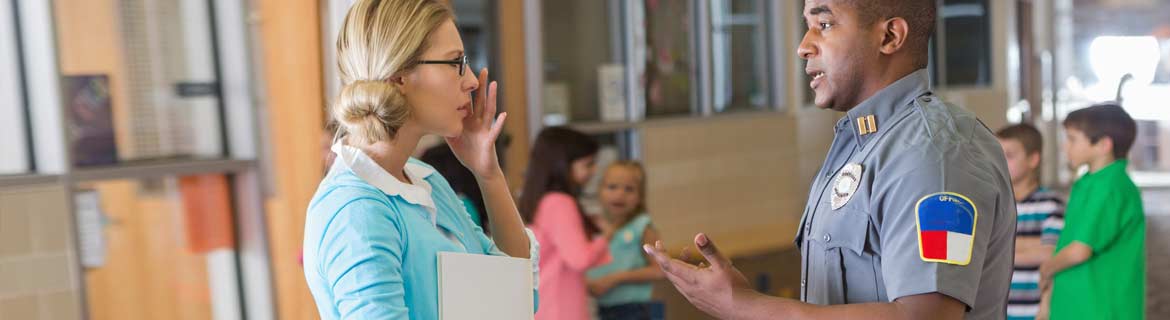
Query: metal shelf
x=603, y=127
x=27, y=179
x=161, y=168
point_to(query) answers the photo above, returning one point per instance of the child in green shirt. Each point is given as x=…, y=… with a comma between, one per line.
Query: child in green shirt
x=1098, y=271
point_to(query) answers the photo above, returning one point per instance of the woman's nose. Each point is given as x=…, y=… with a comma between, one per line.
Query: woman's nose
x=469, y=81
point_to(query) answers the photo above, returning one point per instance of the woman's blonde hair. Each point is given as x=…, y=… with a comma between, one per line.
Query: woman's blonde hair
x=380, y=39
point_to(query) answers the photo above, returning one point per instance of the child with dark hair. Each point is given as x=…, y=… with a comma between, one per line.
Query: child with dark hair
x=570, y=243
x=1098, y=271
x=461, y=180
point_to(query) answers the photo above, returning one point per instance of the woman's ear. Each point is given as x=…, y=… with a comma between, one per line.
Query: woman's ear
x=399, y=82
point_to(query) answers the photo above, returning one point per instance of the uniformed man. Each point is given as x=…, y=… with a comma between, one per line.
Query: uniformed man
x=912, y=214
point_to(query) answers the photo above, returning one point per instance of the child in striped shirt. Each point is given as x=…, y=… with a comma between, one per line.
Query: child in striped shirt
x=1040, y=217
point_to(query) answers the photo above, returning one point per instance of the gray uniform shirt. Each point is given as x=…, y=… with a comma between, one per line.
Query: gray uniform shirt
x=906, y=154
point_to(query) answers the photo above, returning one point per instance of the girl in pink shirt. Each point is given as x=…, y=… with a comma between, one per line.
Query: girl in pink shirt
x=570, y=243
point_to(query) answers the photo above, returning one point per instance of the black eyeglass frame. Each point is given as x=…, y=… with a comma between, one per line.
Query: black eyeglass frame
x=461, y=61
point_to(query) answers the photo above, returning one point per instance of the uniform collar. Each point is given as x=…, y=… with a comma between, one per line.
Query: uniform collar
x=874, y=114
x=369, y=171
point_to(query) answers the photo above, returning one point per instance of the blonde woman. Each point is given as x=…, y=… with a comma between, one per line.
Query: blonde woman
x=379, y=217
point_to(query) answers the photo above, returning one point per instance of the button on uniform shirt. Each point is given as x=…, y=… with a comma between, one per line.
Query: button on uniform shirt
x=925, y=205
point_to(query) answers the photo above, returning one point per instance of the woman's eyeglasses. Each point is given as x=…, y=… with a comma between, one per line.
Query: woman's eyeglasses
x=461, y=62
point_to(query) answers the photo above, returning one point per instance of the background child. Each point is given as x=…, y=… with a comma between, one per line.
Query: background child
x=461, y=180
x=1040, y=216
x=562, y=162
x=1098, y=271
x=623, y=287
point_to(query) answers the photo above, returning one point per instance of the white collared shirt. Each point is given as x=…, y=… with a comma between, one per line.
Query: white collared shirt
x=364, y=167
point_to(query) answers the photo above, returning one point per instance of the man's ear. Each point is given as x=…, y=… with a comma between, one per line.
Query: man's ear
x=894, y=33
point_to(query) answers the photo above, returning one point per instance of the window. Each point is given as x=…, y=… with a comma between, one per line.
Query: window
x=666, y=70
x=739, y=55
x=580, y=52
x=477, y=27
x=1100, y=45
x=963, y=43
x=13, y=134
x=808, y=98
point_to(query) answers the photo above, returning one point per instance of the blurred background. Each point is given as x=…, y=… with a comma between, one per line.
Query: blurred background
x=157, y=156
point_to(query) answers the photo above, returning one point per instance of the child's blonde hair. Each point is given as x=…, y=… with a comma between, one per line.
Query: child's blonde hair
x=640, y=172
x=380, y=39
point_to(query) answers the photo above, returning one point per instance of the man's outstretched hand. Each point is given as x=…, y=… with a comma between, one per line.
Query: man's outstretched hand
x=712, y=285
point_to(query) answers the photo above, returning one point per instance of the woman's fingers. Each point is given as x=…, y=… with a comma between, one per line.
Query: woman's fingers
x=489, y=110
x=481, y=94
x=498, y=126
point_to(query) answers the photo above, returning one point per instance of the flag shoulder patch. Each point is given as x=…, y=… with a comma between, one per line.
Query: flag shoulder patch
x=946, y=228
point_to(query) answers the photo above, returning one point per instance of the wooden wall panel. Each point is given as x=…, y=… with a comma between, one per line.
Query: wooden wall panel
x=290, y=45
x=512, y=81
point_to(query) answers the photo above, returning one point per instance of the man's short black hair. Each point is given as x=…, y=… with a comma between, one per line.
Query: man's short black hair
x=920, y=15
x=1105, y=120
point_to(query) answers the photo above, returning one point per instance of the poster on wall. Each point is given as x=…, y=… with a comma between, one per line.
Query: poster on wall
x=91, y=125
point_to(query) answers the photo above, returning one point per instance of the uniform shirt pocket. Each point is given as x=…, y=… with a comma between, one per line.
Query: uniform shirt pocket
x=851, y=268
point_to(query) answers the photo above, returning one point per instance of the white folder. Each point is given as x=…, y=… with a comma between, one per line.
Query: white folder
x=476, y=286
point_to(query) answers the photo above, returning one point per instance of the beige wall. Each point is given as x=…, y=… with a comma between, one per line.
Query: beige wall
x=742, y=179
x=37, y=253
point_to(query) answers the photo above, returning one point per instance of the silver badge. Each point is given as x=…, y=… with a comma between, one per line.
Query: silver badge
x=846, y=184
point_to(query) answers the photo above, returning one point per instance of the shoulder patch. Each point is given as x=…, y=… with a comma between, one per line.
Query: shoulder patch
x=946, y=228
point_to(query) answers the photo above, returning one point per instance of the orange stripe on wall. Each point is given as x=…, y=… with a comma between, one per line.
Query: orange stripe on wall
x=208, y=212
